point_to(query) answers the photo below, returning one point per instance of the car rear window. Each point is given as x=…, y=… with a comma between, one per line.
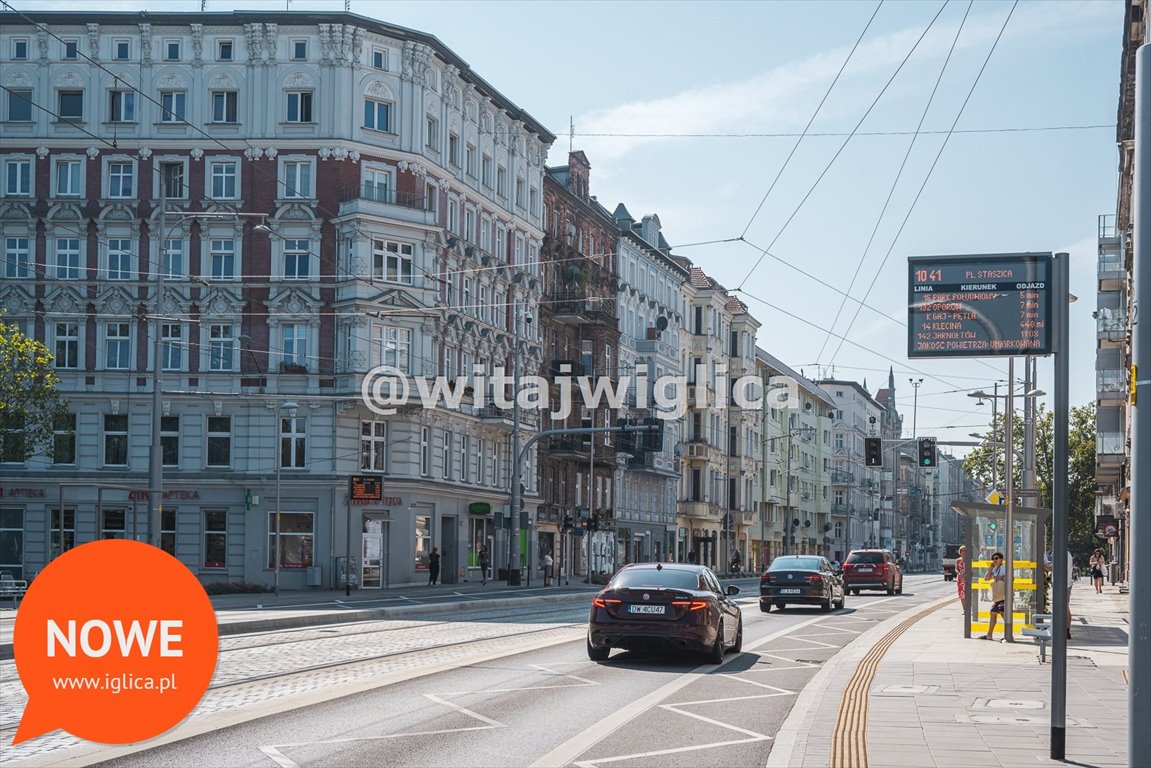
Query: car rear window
x=865, y=557
x=795, y=564
x=668, y=578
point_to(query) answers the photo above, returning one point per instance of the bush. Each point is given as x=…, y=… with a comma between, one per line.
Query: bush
x=234, y=588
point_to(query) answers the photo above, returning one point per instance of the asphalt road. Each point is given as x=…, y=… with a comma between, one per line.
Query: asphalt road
x=544, y=706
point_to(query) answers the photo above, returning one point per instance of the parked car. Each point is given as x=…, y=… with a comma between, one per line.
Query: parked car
x=872, y=569
x=800, y=580
x=665, y=606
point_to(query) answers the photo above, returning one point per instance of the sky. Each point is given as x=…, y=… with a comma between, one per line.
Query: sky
x=801, y=152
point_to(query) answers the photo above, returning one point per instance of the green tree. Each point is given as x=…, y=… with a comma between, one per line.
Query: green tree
x=29, y=401
x=1080, y=468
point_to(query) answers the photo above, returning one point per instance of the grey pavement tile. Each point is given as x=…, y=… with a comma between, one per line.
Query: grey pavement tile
x=900, y=758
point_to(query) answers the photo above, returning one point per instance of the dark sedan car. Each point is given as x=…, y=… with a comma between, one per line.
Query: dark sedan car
x=800, y=580
x=665, y=606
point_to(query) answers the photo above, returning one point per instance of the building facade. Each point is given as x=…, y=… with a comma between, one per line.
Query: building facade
x=855, y=487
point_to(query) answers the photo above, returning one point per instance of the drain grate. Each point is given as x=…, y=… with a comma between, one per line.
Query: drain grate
x=905, y=690
x=1007, y=704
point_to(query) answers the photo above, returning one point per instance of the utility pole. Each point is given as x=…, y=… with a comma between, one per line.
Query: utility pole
x=1009, y=466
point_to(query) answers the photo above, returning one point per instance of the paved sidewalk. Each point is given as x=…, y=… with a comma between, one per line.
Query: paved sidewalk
x=941, y=701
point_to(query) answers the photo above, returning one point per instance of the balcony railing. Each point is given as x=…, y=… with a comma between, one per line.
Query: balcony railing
x=1110, y=381
x=1110, y=261
x=1107, y=227
x=1111, y=321
x=1110, y=443
x=842, y=478
x=380, y=194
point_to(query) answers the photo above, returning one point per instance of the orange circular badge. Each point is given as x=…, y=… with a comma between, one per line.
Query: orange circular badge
x=115, y=642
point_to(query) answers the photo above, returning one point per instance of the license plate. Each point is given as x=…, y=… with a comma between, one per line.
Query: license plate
x=865, y=569
x=790, y=591
x=646, y=608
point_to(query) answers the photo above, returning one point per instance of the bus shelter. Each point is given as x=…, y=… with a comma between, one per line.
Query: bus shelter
x=986, y=534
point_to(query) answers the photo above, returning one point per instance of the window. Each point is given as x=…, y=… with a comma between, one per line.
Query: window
x=380, y=58
x=67, y=345
x=71, y=50
x=376, y=185
x=16, y=257
x=486, y=236
x=68, y=180
x=469, y=225
x=298, y=178
x=432, y=133
x=293, y=442
x=67, y=258
x=168, y=530
x=171, y=50
x=454, y=216
x=171, y=178
x=172, y=259
x=12, y=541
x=425, y=451
x=470, y=159
x=69, y=105
x=18, y=177
x=297, y=254
x=121, y=180
x=392, y=262
x=502, y=182
x=173, y=105
x=448, y=454
x=520, y=192
x=119, y=259
x=115, y=440
x=20, y=105
x=12, y=439
x=501, y=244
x=122, y=106
x=395, y=347
x=223, y=258
x=172, y=335
x=295, y=339
x=113, y=523
x=63, y=530
x=219, y=441
x=486, y=172
x=221, y=347
x=374, y=445
x=377, y=115
x=20, y=48
x=299, y=106
x=223, y=174
x=299, y=50
x=224, y=106
x=215, y=538
x=223, y=50
x=170, y=440
x=121, y=49
x=454, y=149
x=295, y=539
x=64, y=439
x=533, y=201
x=117, y=346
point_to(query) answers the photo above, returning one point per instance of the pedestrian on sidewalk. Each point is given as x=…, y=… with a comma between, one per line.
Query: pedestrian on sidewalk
x=961, y=575
x=997, y=575
x=485, y=562
x=549, y=563
x=434, y=567
x=1070, y=582
x=1098, y=563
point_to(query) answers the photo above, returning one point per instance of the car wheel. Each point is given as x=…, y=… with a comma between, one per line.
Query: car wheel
x=715, y=655
x=597, y=654
x=738, y=638
x=891, y=589
x=780, y=606
x=826, y=606
x=765, y=607
x=842, y=600
x=899, y=590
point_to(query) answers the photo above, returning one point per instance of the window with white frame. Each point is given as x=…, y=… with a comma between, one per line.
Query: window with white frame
x=18, y=177
x=299, y=50
x=447, y=455
x=170, y=440
x=501, y=244
x=64, y=439
x=293, y=442
x=466, y=458
x=117, y=346
x=19, y=49
x=486, y=235
x=392, y=261
x=171, y=50
x=533, y=201
x=221, y=347
x=224, y=50
x=172, y=259
x=453, y=216
x=119, y=259
x=395, y=347
x=68, y=178
x=121, y=106
x=171, y=174
x=19, y=105
x=297, y=178
x=297, y=257
x=377, y=184
x=299, y=107
x=12, y=442
x=172, y=335
x=469, y=225
x=222, y=255
x=121, y=179
x=16, y=258
x=502, y=182
x=374, y=446
x=521, y=198
x=67, y=258
x=519, y=253
x=173, y=106
x=454, y=149
x=69, y=105
x=432, y=133
x=486, y=171
x=116, y=439
x=224, y=176
x=219, y=441
x=425, y=451
x=224, y=106
x=378, y=115
x=215, y=538
x=470, y=160
x=380, y=58
x=295, y=536
x=70, y=50
x=121, y=49
x=294, y=337
x=66, y=345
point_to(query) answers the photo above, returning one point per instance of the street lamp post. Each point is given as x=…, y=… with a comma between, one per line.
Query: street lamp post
x=290, y=409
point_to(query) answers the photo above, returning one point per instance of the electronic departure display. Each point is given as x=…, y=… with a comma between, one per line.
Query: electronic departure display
x=994, y=305
x=366, y=488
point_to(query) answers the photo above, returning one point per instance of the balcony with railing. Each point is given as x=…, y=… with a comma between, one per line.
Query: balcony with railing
x=385, y=202
x=656, y=347
x=842, y=478
x=1111, y=324
x=699, y=510
x=1111, y=384
x=1112, y=444
x=700, y=450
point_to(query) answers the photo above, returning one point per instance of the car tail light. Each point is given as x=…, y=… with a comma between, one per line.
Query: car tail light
x=691, y=605
x=815, y=578
x=604, y=602
x=767, y=578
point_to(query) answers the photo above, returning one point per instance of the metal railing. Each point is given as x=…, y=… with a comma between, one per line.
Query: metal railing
x=387, y=195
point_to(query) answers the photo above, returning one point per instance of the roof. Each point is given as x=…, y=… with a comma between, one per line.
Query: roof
x=700, y=280
x=774, y=362
x=858, y=388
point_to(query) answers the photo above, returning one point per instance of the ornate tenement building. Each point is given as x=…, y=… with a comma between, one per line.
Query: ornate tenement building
x=403, y=198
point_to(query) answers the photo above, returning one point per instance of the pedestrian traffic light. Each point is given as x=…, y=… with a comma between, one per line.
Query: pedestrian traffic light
x=927, y=452
x=873, y=451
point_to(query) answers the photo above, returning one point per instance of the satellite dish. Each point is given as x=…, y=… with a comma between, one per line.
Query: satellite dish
x=661, y=323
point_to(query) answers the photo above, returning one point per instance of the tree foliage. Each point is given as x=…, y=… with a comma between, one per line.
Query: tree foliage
x=29, y=401
x=1080, y=468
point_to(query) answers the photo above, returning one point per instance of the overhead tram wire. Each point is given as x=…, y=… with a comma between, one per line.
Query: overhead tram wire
x=847, y=141
x=839, y=134
x=811, y=120
x=898, y=176
x=927, y=178
x=73, y=123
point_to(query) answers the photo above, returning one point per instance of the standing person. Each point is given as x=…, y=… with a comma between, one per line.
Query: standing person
x=961, y=575
x=549, y=563
x=434, y=567
x=485, y=562
x=1098, y=563
x=735, y=562
x=1070, y=582
x=997, y=575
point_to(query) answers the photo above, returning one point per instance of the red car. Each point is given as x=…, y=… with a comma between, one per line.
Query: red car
x=872, y=569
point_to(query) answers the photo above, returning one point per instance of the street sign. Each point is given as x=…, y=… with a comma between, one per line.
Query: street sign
x=993, y=305
x=366, y=488
x=995, y=497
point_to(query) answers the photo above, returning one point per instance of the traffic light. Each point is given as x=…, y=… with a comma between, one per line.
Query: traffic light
x=873, y=451
x=625, y=442
x=927, y=452
x=652, y=440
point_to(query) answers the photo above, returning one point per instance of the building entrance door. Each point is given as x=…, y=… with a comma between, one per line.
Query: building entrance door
x=373, y=561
